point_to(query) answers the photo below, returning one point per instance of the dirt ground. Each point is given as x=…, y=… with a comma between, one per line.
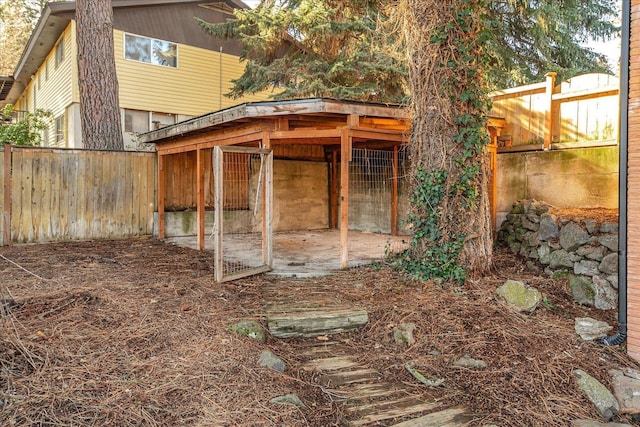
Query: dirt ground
x=134, y=332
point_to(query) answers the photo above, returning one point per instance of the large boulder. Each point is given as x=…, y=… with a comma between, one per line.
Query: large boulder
x=519, y=296
x=604, y=401
x=626, y=388
x=581, y=290
x=572, y=236
x=591, y=329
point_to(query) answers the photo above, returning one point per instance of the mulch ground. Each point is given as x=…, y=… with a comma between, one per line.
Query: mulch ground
x=134, y=332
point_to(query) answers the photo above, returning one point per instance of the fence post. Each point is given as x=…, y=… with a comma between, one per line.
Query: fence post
x=548, y=114
x=6, y=203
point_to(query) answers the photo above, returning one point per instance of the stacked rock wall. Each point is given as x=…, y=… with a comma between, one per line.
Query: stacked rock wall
x=583, y=249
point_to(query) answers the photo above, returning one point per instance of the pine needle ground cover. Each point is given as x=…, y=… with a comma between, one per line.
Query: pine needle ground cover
x=135, y=332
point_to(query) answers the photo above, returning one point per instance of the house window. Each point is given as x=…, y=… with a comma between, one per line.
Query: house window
x=60, y=130
x=151, y=51
x=59, y=52
x=136, y=121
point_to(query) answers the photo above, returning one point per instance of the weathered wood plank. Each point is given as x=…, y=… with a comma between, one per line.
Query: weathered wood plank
x=315, y=322
x=369, y=391
x=393, y=413
x=329, y=364
x=452, y=417
x=404, y=403
x=348, y=377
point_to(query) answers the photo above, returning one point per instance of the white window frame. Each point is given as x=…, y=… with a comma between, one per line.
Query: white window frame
x=59, y=52
x=151, y=56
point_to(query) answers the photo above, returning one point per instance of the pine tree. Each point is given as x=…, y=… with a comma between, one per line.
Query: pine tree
x=97, y=80
x=17, y=20
x=347, y=48
x=311, y=48
x=530, y=38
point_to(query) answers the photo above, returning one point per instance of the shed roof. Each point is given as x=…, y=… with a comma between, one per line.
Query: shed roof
x=311, y=113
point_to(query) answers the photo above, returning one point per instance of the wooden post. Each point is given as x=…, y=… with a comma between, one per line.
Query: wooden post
x=161, y=196
x=218, y=206
x=548, y=115
x=334, y=189
x=200, y=201
x=394, y=193
x=345, y=146
x=6, y=215
x=267, y=202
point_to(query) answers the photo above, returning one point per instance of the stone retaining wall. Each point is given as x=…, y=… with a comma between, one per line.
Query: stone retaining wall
x=584, y=250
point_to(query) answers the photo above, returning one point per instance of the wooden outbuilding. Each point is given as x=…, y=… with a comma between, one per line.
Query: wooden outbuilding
x=223, y=163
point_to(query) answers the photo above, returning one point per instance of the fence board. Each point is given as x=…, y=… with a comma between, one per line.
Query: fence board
x=76, y=194
x=584, y=108
x=2, y=190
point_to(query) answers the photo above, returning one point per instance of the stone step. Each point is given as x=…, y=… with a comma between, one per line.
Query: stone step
x=314, y=322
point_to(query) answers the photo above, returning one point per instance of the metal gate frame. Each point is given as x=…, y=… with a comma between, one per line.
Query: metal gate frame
x=266, y=206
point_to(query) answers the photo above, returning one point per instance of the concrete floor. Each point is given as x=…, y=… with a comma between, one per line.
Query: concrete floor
x=303, y=253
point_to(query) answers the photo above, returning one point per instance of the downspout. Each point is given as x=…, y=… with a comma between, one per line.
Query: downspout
x=621, y=335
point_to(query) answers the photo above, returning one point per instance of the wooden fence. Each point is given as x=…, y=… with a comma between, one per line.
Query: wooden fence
x=582, y=110
x=57, y=194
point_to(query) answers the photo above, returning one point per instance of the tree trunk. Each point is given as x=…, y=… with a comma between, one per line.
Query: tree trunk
x=98, y=82
x=449, y=163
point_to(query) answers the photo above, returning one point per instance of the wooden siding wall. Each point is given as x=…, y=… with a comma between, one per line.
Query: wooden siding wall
x=59, y=195
x=193, y=88
x=54, y=88
x=633, y=189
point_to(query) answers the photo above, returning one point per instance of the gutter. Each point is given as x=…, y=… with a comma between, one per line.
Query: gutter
x=621, y=335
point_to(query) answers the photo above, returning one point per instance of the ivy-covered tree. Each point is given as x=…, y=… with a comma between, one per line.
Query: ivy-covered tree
x=316, y=48
x=449, y=173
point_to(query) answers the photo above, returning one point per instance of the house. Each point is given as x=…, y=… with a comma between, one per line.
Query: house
x=186, y=75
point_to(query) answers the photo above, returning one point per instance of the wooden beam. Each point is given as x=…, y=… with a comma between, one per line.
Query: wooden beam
x=161, y=195
x=345, y=146
x=218, y=206
x=6, y=204
x=200, y=201
x=353, y=120
x=550, y=84
x=518, y=91
x=302, y=134
x=585, y=94
x=242, y=134
x=379, y=134
x=394, y=194
x=267, y=201
x=334, y=189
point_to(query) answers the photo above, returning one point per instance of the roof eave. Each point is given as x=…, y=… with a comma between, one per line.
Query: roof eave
x=266, y=109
